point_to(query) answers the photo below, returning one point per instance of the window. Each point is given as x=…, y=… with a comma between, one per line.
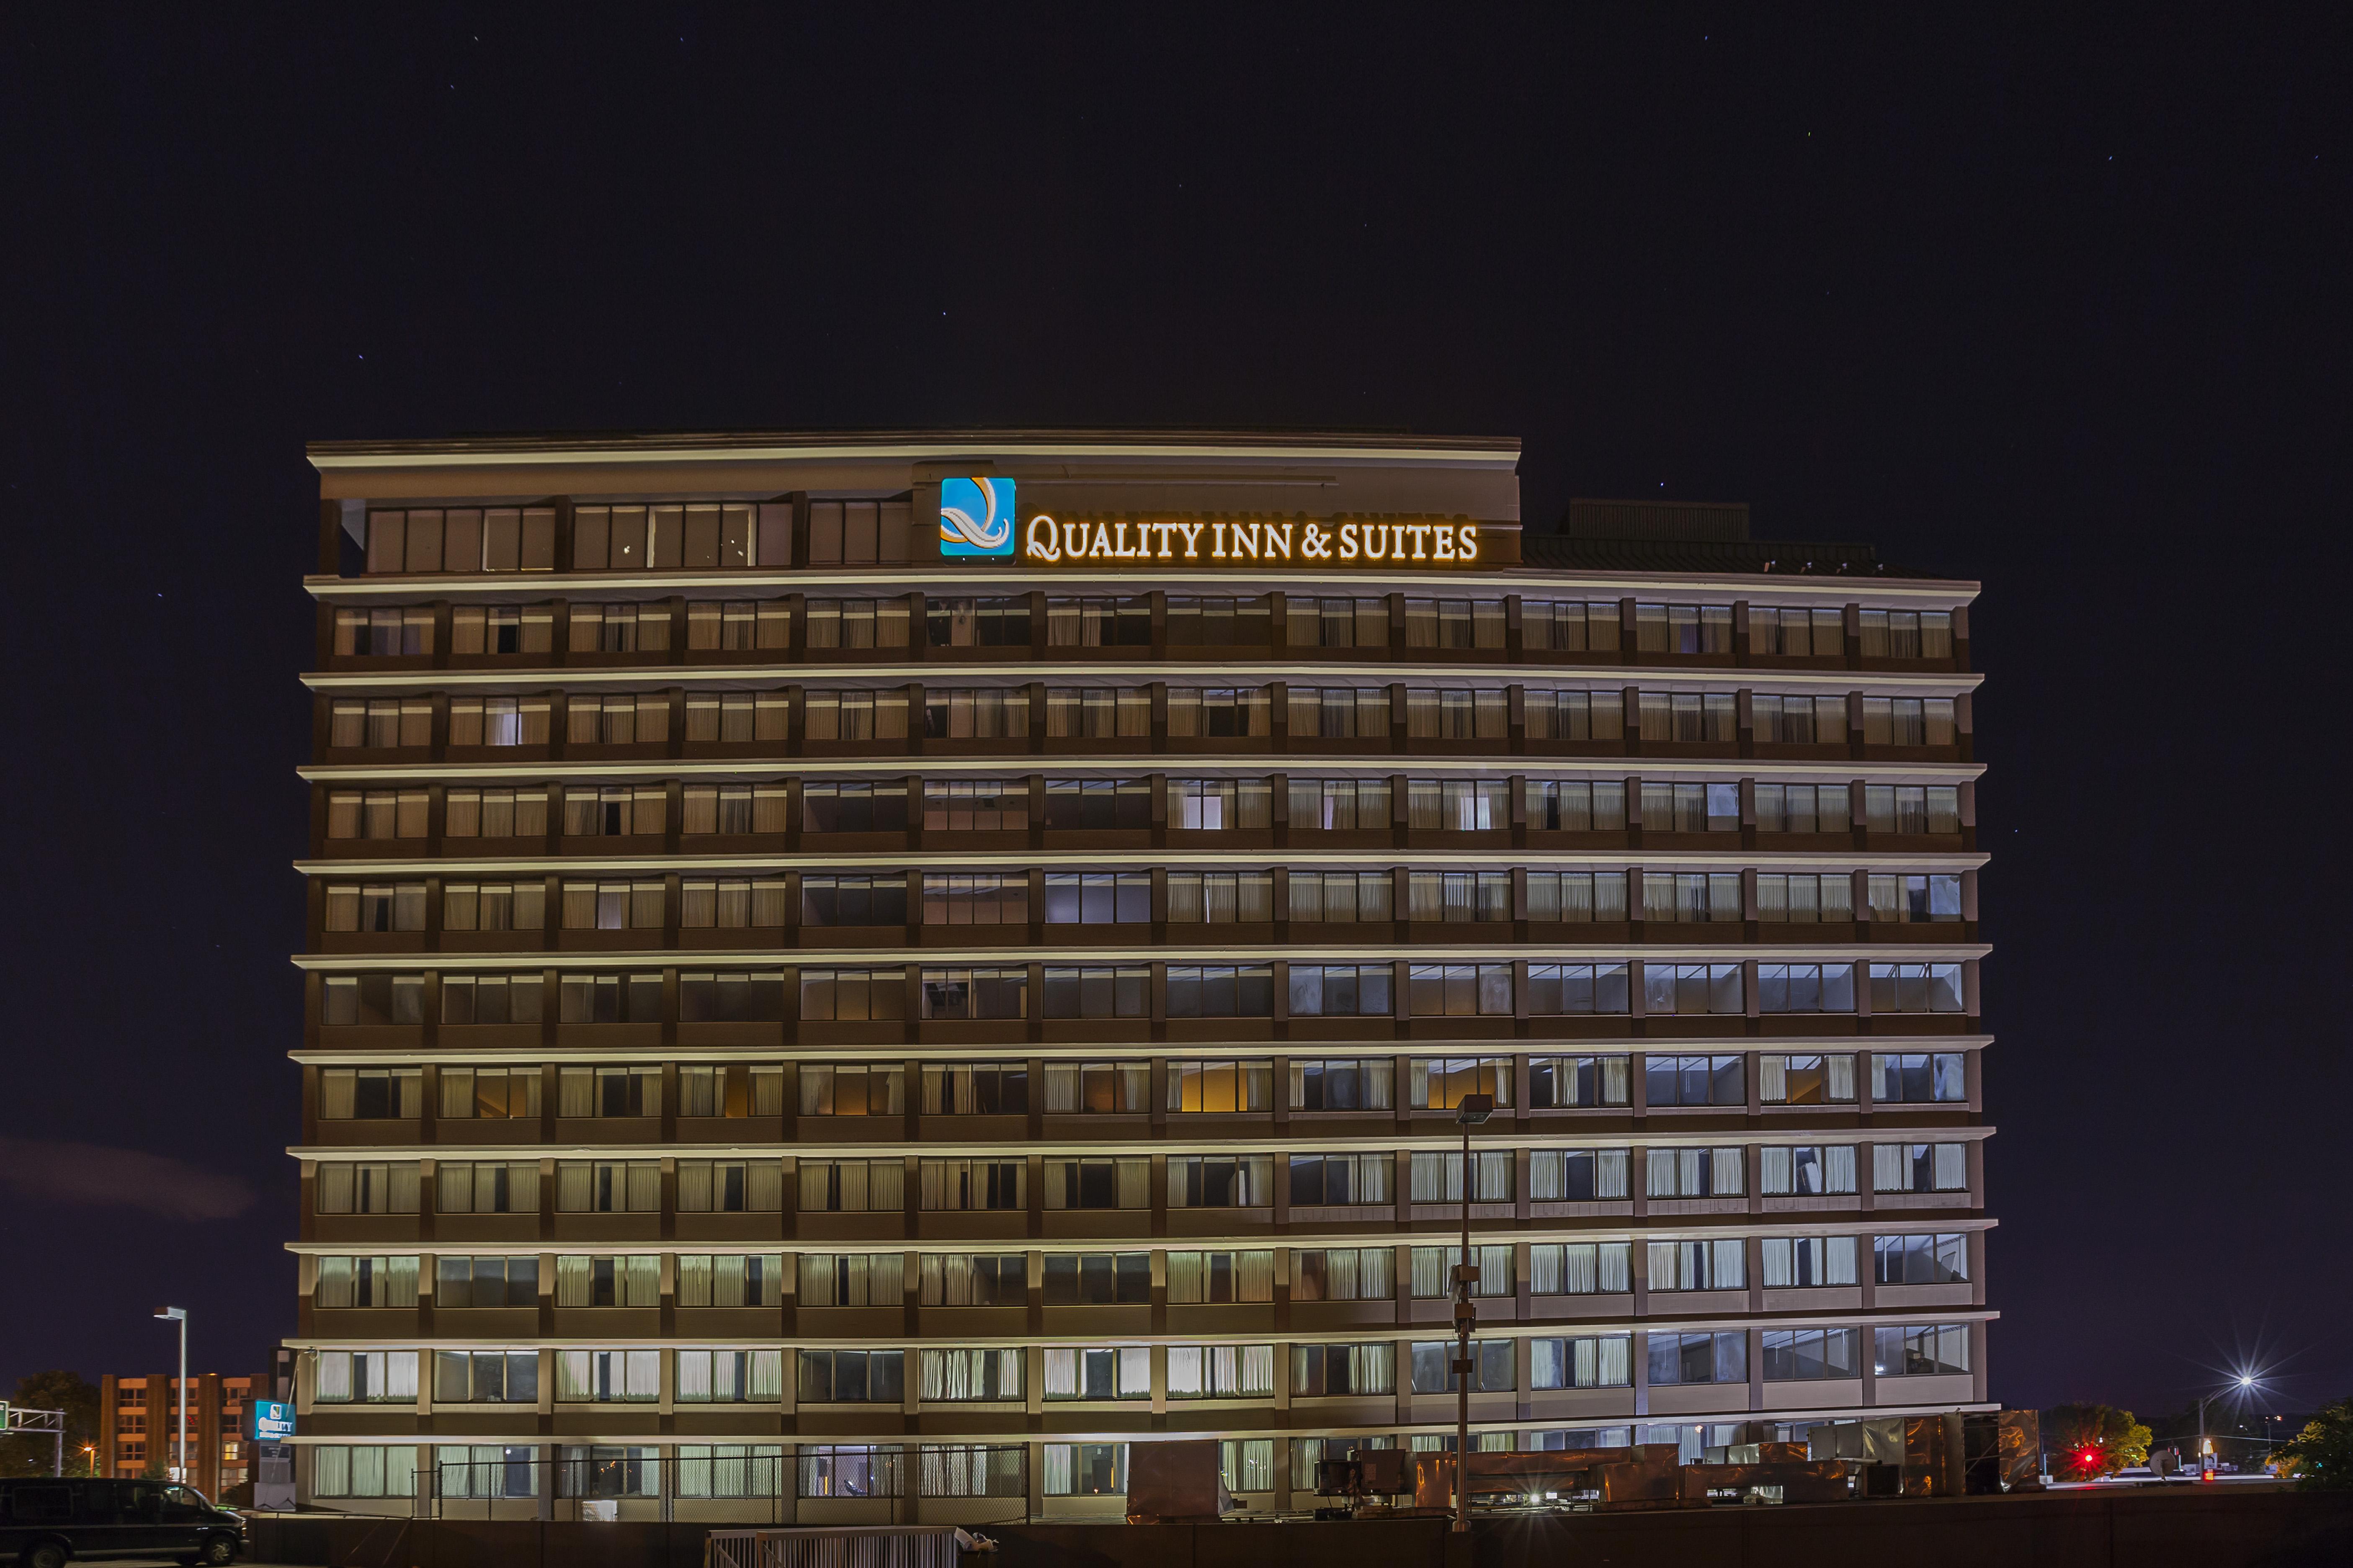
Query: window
x=609, y=1092
x=734, y=717
x=952, y=1375
x=1221, y=1371
x=983, y=713
x=616, y=719
x=860, y=1472
x=1915, y=898
x=385, y=723
x=1581, y=1269
x=1454, y=623
x=1211, y=806
x=1344, y=1369
x=613, y=906
x=1938, y=1259
x=1221, y=1277
x=850, y=1280
x=347, y=1186
x=1578, y=1176
x=983, y=900
x=1073, y=1372
x=1693, y=896
x=740, y=1280
x=1220, y=897
x=736, y=808
x=633, y=1281
x=1907, y=722
x=1920, y=1352
x=1433, y=1271
x=962, y=1470
x=1339, y=712
x=1696, y=1172
x=1458, y=805
x=377, y=814
x=375, y=906
x=1916, y=988
x=485, y=1187
x=1698, y=1358
x=1339, y=1179
x=1460, y=990
x=371, y=999
x=1210, y=712
x=1221, y=1086
x=950, y=1185
x=1561, y=989
x=1931, y=1077
x=1452, y=713
x=1335, y=623
x=1605, y=1360
x=733, y=1377
x=1794, y=1261
x=1574, y=716
x=1096, y=897
x=1691, y=809
x=1092, y=804
x=1912, y=808
x=370, y=1093
x=1342, y=1083
x=755, y=998
x=1555, y=805
x=485, y=1470
x=738, y=1090
x=842, y=1186
x=1098, y=622
x=852, y=1377
x=485, y=1377
x=1491, y=1359
x=976, y=623
x=1437, y=1176
x=1344, y=1274
x=1220, y=1182
x=853, y=808
x=1804, y=987
x=612, y=1186
x=1799, y=721
x=1460, y=895
x=1919, y=1167
x=859, y=715
x=975, y=994
x=1220, y=991
x=602, y=1376
x=1201, y=622
x=742, y=903
x=852, y=901
x=1807, y=1170
x=1695, y=1080
x=1693, y=988
x=1340, y=897
x=609, y=998
x=1689, y=718
x=857, y=623
x=397, y=632
x=1561, y=1082
x=957, y=1280
x=495, y=813
x=486, y=1281
x=494, y=906
x=1796, y=633
x=851, y=1090
x=960, y=806
x=1908, y=633
x=366, y=1282
x=1099, y=712
x=1092, y=1088
x=1439, y=1083
x=1579, y=896
x=1350, y=804
x=737, y=625
x=1804, y=899
x=366, y=1377
x=850, y=994
x=976, y=1088
x=1105, y=1183
x=1800, y=1355
x=1568, y=627
x=1804, y=808
x=1682, y=628
x=367, y=1470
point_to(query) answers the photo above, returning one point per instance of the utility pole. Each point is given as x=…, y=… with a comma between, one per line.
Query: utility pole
x=1473, y=1110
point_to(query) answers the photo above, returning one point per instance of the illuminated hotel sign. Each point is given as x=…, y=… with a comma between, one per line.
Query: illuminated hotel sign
x=976, y=517
x=1449, y=542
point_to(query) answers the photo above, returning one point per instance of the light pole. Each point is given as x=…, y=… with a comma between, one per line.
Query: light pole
x=2243, y=1382
x=1473, y=1110
x=180, y=1315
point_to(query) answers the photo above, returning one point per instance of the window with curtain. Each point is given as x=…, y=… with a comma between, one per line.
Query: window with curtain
x=1437, y=1176
x=1210, y=712
x=1579, y=1176
x=1804, y=808
x=1099, y=1088
x=614, y=1187
x=1795, y=1261
x=1109, y=1371
x=366, y=1186
x=1342, y=1179
x=742, y=1090
x=739, y=1279
x=1439, y=1083
x=1696, y=1172
x=1342, y=898
x=1241, y=1181
x=1568, y=1082
x=1561, y=626
x=1919, y=1167
x=859, y=1471
x=595, y=1376
x=1581, y=1269
x=1343, y=1369
x=365, y=1282
x=1796, y=633
x=1493, y=1366
x=1807, y=1170
x=852, y=1279
x=1344, y=1274
x=1458, y=805
x=1085, y=1470
x=1220, y=1371
x=627, y=1281
x=730, y=1469
x=366, y=1377
x=1556, y=806
x=1339, y=805
x=1433, y=1271
x=1099, y=1183
x=1603, y=1361
x=837, y=1186
x=969, y=1185
x=1206, y=1086
x=483, y=1186
x=968, y=1279
x=1340, y=1083
x=1806, y=1080
x=1203, y=1277
x=957, y=1374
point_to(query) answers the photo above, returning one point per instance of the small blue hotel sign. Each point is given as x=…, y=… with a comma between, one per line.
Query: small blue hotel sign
x=273, y=1421
x=976, y=517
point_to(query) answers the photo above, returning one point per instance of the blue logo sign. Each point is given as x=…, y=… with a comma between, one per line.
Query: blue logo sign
x=975, y=517
x=272, y=1421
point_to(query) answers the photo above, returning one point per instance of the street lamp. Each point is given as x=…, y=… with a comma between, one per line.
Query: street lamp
x=2242, y=1383
x=180, y=1315
x=1471, y=1112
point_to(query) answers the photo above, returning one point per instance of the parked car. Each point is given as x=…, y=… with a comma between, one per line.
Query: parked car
x=46, y=1522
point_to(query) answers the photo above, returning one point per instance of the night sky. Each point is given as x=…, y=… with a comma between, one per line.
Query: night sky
x=2063, y=312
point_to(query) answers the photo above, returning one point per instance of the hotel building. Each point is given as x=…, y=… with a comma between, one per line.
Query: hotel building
x=139, y=1429
x=852, y=978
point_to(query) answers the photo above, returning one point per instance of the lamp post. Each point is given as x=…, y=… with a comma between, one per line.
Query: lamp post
x=2242, y=1383
x=1473, y=1110
x=180, y=1315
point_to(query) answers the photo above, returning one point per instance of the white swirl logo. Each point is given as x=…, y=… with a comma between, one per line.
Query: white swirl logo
x=976, y=517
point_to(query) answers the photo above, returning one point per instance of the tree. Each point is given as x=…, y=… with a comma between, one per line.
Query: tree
x=2088, y=1441
x=33, y=1453
x=2321, y=1457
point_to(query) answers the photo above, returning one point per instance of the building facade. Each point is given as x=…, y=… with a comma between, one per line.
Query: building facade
x=852, y=978
x=139, y=1426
